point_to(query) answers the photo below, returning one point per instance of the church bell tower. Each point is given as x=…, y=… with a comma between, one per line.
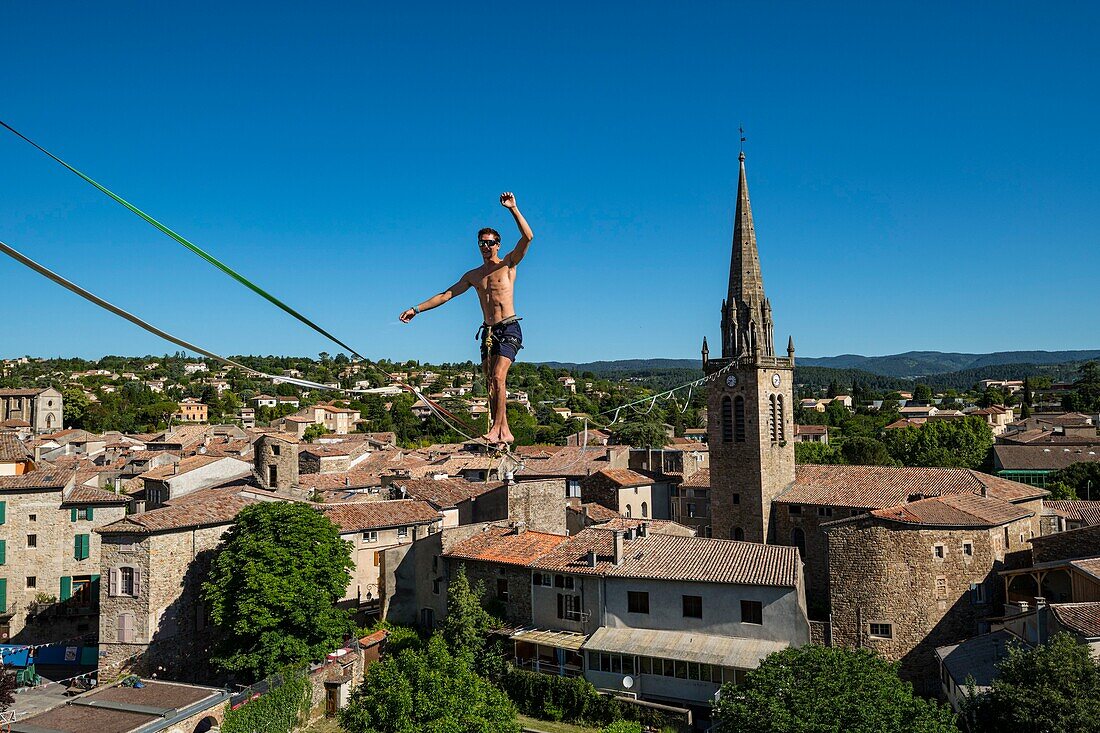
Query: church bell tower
x=750, y=399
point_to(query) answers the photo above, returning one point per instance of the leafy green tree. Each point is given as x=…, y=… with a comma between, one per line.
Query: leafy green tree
x=429, y=691
x=991, y=397
x=818, y=453
x=922, y=393
x=641, y=434
x=313, y=432
x=836, y=413
x=273, y=587
x=75, y=407
x=860, y=451
x=961, y=443
x=467, y=622
x=815, y=688
x=1082, y=479
x=1051, y=688
x=1085, y=396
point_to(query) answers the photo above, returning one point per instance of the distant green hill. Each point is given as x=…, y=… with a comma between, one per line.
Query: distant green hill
x=925, y=363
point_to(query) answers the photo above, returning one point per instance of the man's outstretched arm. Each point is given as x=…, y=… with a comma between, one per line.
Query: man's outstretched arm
x=435, y=301
x=508, y=201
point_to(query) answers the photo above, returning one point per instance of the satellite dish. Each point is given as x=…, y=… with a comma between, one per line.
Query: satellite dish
x=628, y=682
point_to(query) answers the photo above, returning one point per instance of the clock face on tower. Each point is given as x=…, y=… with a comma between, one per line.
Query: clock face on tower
x=775, y=380
x=731, y=380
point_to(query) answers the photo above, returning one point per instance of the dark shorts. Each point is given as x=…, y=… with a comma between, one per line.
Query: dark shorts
x=505, y=339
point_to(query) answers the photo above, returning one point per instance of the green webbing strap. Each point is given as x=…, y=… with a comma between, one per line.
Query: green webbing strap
x=197, y=250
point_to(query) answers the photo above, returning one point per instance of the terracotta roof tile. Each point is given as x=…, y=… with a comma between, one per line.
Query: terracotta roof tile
x=505, y=546
x=596, y=512
x=44, y=478
x=90, y=495
x=671, y=557
x=1084, y=618
x=1087, y=512
x=1043, y=457
x=624, y=477
x=954, y=510
x=444, y=493
x=879, y=487
x=12, y=449
x=378, y=514
x=698, y=480
x=206, y=508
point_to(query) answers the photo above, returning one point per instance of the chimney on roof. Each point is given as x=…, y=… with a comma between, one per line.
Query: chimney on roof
x=519, y=527
x=347, y=480
x=591, y=558
x=1042, y=631
x=508, y=478
x=618, y=556
x=643, y=529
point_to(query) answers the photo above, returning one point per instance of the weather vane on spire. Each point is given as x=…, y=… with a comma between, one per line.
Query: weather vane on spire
x=741, y=129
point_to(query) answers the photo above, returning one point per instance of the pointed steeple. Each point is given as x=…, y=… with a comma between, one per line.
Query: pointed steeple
x=746, y=316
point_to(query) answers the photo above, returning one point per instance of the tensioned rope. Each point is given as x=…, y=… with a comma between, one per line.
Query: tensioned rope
x=436, y=409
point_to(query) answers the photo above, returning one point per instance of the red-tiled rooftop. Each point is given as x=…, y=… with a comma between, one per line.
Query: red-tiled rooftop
x=206, y=508
x=44, y=478
x=624, y=477
x=954, y=510
x=506, y=546
x=361, y=516
x=444, y=493
x=91, y=495
x=698, y=480
x=12, y=449
x=673, y=557
x=880, y=487
x=185, y=466
x=1087, y=512
x=1084, y=618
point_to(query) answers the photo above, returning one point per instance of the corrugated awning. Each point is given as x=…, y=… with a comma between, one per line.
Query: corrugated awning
x=557, y=639
x=724, y=651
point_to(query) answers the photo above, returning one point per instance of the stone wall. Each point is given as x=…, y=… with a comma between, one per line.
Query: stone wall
x=170, y=623
x=541, y=504
x=281, y=455
x=1075, y=543
x=30, y=571
x=516, y=608
x=809, y=519
x=887, y=573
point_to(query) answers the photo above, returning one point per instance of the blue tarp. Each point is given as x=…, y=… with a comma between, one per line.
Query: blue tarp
x=70, y=655
x=15, y=655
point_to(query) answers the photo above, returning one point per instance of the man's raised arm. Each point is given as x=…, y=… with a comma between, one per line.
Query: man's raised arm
x=508, y=201
x=435, y=301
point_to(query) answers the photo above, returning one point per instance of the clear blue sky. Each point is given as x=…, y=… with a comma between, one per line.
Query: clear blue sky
x=923, y=175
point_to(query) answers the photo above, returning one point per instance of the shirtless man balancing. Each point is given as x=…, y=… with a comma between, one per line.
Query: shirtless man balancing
x=501, y=337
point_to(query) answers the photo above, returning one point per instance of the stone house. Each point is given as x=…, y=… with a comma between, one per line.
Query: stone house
x=824, y=494
x=624, y=491
x=372, y=528
x=50, y=555
x=43, y=408
x=811, y=434
x=571, y=463
x=678, y=614
x=150, y=610
x=458, y=501
x=907, y=579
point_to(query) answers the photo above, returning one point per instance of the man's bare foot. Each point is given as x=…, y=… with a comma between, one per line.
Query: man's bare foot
x=492, y=438
x=507, y=437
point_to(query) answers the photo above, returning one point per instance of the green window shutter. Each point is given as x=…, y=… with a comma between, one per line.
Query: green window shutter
x=72, y=514
x=87, y=548
x=3, y=551
x=95, y=589
x=80, y=547
x=4, y=593
x=3, y=511
x=66, y=588
x=90, y=514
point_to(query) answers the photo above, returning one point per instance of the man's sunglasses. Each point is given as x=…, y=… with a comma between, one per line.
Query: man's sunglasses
x=489, y=242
